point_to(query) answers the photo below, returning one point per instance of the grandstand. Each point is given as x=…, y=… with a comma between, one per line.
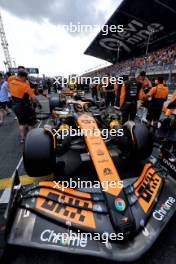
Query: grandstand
x=148, y=43
x=160, y=62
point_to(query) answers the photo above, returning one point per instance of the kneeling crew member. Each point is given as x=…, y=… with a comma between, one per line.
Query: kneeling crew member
x=22, y=96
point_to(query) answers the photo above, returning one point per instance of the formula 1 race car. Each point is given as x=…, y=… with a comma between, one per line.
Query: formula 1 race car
x=63, y=106
x=60, y=100
x=119, y=220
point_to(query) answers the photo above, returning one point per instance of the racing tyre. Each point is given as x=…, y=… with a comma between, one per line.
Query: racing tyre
x=39, y=154
x=143, y=146
x=54, y=102
x=137, y=142
x=64, y=145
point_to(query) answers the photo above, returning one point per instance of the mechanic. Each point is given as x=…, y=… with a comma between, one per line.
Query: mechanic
x=94, y=89
x=117, y=102
x=22, y=96
x=49, y=85
x=100, y=89
x=146, y=83
x=158, y=95
x=11, y=76
x=57, y=86
x=4, y=98
x=109, y=91
x=170, y=111
x=131, y=92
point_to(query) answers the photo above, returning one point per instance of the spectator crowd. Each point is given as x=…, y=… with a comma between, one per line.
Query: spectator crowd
x=158, y=59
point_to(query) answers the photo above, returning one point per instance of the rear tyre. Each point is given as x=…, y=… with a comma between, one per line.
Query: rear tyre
x=137, y=142
x=143, y=146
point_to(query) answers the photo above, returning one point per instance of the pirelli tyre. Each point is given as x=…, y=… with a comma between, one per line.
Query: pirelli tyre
x=39, y=154
x=143, y=145
x=54, y=102
x=137, y=141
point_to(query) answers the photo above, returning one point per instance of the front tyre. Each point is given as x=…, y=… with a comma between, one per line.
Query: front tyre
x=39, y=154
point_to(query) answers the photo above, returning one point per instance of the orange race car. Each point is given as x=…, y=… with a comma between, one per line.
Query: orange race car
x=97, y=204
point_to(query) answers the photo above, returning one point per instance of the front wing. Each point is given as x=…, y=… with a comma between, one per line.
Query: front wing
x=32, y=230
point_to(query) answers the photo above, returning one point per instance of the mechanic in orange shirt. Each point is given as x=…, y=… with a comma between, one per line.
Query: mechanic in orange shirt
x=158, y=96
x=146, y=83
x=22, y=96
x=172, y=105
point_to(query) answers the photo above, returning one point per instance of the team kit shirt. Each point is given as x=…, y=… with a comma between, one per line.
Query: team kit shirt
x=19, y=88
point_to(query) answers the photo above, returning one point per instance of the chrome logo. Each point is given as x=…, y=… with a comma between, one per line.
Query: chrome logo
x=65, y=240
x=120, y=204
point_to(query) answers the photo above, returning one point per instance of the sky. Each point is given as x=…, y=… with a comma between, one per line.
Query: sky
x=38, y=36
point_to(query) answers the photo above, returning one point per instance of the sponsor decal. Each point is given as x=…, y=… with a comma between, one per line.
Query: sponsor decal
x=88, y=121
x=108, y=245
x=54, y=206
x=100, y=152
x=169, y=164
x=103, y=161
x=161, y=213
x=107, y=171
x=26, y=214
x=120, y=204
x=134, y=34
x=63, y=239
x=96, y=144
x=148, y=189
x=125, y=219
x=95, y=140
x=145, y=232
